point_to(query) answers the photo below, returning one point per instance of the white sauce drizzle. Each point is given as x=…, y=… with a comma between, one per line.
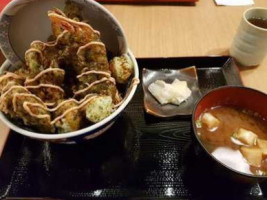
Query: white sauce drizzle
x=8, y=86
x=45, y=85
x=14, y=100
x=50, y=44
x=94, y=72
x=71, y=109
x=42, y=73
x=27, y=109
x=10, y=75
x=35, y=50
x=88, y=45
x=110, y=79
x=10, y=89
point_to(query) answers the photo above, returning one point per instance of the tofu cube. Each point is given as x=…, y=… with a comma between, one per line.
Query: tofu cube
x=253, y=155
x=262, y=144
x=99, y=108
x=245, y=136
x=121, y=68
x=210, y=121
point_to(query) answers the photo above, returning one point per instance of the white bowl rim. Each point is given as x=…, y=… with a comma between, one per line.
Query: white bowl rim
x=13, y=3
x=249, y=23
x=91, y=128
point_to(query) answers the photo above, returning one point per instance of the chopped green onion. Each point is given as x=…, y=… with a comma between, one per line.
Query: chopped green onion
x=199, y=124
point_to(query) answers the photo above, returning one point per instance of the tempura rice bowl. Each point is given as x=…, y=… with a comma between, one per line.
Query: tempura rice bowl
x=14, y=49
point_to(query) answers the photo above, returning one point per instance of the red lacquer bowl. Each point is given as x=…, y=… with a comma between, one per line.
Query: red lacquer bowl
x=236, y=96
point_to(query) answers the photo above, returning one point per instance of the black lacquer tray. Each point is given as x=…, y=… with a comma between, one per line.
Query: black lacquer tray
x=140, y=157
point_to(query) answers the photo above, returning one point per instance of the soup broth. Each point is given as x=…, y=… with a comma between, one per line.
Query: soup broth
x=222, y=144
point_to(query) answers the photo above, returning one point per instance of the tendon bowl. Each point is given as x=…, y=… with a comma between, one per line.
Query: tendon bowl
x=23, y=21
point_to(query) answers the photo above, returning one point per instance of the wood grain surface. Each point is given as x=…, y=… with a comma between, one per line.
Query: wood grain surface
x=175, y=30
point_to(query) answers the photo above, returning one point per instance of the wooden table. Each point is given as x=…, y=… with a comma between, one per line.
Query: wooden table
x=169, y=30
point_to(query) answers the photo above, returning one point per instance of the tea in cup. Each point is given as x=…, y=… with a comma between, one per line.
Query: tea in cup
x=249, y=46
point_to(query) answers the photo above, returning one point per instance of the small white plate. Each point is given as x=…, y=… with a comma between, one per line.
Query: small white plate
x=153, y=107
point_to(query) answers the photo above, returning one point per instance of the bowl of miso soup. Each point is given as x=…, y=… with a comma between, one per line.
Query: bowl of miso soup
x=230, y=123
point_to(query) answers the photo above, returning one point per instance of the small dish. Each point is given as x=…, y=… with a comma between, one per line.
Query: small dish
x=153, y=107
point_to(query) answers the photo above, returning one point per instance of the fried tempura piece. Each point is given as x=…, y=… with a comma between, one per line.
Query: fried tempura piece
x=99, y=108
x=67, y=117
x=56, y=51
x=38, y=116
x=50, y=94
x=54, y=76
x=59, y=25
x=89, y=77
x=32, y=111
x=84, y=33
x=9, y=85
x=20, y=98
x=6, y=99
x=63, y=106
x=105, y=86
x=10, y=77
x=92, y=56
x=121, y=68
x=34, y=62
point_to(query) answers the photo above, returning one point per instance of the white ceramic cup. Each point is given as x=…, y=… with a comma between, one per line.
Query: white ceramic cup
x=249, y=46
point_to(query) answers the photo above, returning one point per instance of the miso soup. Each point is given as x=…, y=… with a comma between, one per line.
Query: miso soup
x=236, y=137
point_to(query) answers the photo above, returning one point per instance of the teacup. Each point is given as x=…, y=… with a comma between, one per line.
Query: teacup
x=249, y=46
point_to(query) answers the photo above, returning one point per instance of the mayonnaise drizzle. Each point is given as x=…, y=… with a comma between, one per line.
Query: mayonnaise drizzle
x=71, y=109
x=14, y=100
x=70, y=100
x=110, y=79
x=89, y=44
x=64, y=102
x=45, y=85
x=94, y=72
x=61, y=104
x=42, y=73
x=12, y=83
x=9, y=75
x=50, y=44
x=10, y=89
x=39, y=116
x=35, y=50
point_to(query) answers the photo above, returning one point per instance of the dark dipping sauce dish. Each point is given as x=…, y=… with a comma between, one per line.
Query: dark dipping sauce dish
x=234, y=107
